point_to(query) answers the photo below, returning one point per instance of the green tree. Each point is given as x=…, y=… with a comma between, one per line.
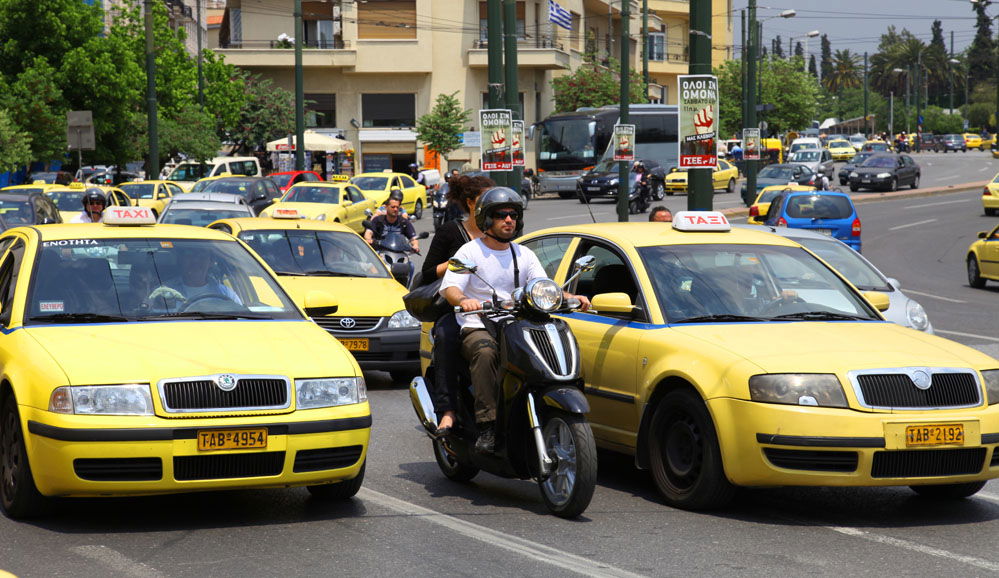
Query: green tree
x=595, y=85
x=440, y=128
x=981, y=59
x=793, y=93
x=846, y=72
x=826, y=57
x=225, y=92
x=268, y=113
x=15, y=146
x=35, y=101
x=190, y=131
x=46, y=28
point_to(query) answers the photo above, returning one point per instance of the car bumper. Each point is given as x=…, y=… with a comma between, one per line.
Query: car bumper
x=770, y=445
x=990, y=202
x=96, y=456
x=872, y=182
x=675, y=187
x=843, y=156
x=597, y=190
x=387, y=349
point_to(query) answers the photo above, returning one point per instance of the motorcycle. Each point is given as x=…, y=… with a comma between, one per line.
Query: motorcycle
x=444, y=211
x=639, y=195
x=395, y=250
x=541, y=429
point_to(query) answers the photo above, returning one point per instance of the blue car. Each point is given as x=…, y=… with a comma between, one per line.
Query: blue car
x=827, y=212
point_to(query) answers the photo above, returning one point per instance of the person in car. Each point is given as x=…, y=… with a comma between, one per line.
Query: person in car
x=195, y=280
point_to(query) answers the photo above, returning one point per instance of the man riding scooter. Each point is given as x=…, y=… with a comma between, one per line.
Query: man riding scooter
x=392, y=222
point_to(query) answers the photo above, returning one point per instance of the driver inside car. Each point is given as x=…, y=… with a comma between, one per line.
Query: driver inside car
x=195, y=281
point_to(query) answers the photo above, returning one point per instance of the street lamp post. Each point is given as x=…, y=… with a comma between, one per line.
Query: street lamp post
x=811, y=34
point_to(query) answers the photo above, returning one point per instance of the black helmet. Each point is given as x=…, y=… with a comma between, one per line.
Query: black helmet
x=396, y=194
x=494, y=199
x=94, y=194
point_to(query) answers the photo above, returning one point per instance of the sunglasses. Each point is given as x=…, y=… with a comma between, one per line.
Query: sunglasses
x=502, y=215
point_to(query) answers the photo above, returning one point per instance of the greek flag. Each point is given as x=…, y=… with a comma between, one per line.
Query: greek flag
x=559, y=15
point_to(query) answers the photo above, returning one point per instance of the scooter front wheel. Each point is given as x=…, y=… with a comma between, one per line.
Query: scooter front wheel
x=567, y=491
x=450, y=465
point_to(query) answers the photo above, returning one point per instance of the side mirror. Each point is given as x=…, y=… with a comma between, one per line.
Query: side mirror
x=612, y=303
x=369, y=213
x=461, y=267
x=423, y=235
x=320, y=304
x=347, y=202
x=982, y=234
x=878, y=299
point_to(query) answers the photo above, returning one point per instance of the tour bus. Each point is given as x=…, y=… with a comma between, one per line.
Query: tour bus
x=571, y=143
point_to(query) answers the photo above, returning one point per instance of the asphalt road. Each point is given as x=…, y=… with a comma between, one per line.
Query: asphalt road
x=408, y=520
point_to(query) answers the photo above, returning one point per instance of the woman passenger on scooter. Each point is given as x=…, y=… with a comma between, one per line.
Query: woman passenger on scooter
x=463, y=192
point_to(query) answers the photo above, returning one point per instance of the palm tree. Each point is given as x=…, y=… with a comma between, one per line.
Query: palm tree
x=845, y=73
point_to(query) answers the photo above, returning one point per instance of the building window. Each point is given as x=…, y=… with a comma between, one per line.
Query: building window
x=320, y=110
x=321, y=22
x=657, y=46
x=483, y=18
x=388, y=110
x=387, y=19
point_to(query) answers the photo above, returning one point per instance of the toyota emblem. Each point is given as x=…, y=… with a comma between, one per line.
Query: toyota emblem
x=348, y=323
x=921, y=379
x=226, y=381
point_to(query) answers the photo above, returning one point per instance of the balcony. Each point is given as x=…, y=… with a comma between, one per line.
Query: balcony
x=672, y=62
x=539, y=54
x=277, y=54
x=670, y=7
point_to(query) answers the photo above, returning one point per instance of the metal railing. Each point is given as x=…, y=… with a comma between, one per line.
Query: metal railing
x=336, y=44
x=525, y=43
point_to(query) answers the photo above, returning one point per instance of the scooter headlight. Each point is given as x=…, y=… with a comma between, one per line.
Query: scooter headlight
x=544, y=295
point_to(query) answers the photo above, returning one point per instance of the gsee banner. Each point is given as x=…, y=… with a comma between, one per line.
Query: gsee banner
x=497, y=126
x=698, y=113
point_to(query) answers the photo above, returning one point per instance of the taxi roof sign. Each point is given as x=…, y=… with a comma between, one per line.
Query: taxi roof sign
x=117, y=215
x=280, y=213
x=701, y=221
x=338, y=178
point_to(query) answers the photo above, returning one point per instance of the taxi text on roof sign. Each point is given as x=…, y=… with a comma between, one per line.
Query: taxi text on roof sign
x=701, y=221
x=118, y=215
x=280, y=213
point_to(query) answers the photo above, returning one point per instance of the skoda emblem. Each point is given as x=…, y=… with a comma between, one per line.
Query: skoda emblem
x=921, y=379
x=226, y=381
x=348, y=323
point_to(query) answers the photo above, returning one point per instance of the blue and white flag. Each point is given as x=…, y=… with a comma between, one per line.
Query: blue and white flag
x=559, y=15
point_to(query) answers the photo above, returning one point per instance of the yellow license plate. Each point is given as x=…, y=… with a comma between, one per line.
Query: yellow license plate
x=935, y=435
x=232, y=439
x=355, y=344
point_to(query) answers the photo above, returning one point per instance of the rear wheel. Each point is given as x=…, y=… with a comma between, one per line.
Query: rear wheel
x=854, y=188
x=990, y=212
x=731, y=186
x=915, y=182
x=452, y=468
x=341, y=490
x=567, y=491
x=19, y=496
x=948, y=491
x=974, y=274
x=418, y=210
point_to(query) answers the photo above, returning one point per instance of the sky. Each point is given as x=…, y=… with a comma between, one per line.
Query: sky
x=859, y=24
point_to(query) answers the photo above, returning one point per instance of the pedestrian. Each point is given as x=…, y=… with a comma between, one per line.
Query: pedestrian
x=660, y=214
x=823, y=182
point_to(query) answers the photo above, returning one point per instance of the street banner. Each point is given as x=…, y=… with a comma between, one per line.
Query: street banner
x=624, y=142
x=751, y=144
x=517, y=143
x=496, y=124
x=698, y=112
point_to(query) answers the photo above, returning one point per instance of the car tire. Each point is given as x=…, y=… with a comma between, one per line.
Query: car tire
x=854, y=188
x=731, y=186
x=948, y=491
x=19, y=497
x=565, y=194
x=658, y=191
x=843, y=182
x=341, y=490
x=582, y=198
x=684, y=454
x=975, y=278
x=893, y=185
x=418, y=210
x=915, y=182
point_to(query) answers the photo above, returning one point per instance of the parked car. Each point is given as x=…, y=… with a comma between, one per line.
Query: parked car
x=876, y=146
x=990, y=196
x=886, y=172
x=951, y=142
x=601, y=181
x=819, y=161
x=827, y=212
x=779, y=174
x=187, y=173
x=112, y=178
x=857, y=140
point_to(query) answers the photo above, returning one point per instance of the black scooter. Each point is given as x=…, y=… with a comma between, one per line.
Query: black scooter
x=541, y=429
x=395, y=250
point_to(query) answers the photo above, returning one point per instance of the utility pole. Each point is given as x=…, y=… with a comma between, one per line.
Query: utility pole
x=299, y=91
x=645, y=43
x=494, y=39
x=996, y=127
x=512, y=89
x=745, y=61
x=750, y=119
x=153, y=165
x=950, y=71
x=623, y=187
x=867, y=122
x=700, y=188
x=919, y=103
x=201, y=76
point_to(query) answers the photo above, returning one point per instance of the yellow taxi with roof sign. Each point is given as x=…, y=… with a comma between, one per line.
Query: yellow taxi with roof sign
x=723, y=177
x=841, y=150
x=36, y=187
x=379, y=186
x=154, y=194
x=974, y=141
x=758, y=210
x=723, y=357
x=121, y=375
x=308, y=256
x=333, y=202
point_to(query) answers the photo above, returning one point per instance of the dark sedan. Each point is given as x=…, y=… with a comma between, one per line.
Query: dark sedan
x=602, y=181
x=30, y=209
x=857, y=160
x=951, y=142
x=887, y=172
x=781, y=174
x=258, y=192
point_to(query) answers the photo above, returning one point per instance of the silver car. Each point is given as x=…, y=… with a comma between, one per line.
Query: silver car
x=859, y=271
x=819, y=160
x=201, y=213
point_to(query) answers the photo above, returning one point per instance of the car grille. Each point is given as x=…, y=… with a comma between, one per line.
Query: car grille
x=326, y=458
x=895, y=389
x=202, y=394
x=119, y=469
x=560, y=355
x=927, y=463
x=812, y=460
x=337, y=325
x=214, y=467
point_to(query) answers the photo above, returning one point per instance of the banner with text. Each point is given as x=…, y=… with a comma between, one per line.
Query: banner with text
x=698, y=112
x=751, y=144
x=497, y=126
x=624, y=142
x=517, y=143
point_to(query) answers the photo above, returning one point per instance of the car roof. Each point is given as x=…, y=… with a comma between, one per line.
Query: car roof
x=819, y=194
x=270, y=224
x=230, y=198
x=63, y=231
x=327, y=184
x=18, y=197
x=207, y=206
x=645, y=234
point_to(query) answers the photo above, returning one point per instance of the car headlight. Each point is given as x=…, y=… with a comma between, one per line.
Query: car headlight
x=125, y=399
x=613, y=182
x=814, y=389
x=991, y=378
x=403, y=320
x=854, y=174
x=884, y=175
x=916, y=316
x=320, y=217
x=330, y=392
x=543, y=294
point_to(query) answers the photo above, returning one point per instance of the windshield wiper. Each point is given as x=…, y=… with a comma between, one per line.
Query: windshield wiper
x=290, y=273
x=78, y=318
x=325, y=273
x=721, y=317
x=822, y=316
x=204, y=315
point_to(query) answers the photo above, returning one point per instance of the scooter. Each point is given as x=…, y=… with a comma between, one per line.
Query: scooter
x=638, y=195
x=395, y=250
x=541, y=428
x=444, y=211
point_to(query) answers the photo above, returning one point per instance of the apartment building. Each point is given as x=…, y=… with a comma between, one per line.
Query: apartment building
x=371, y=67
x=181, y=14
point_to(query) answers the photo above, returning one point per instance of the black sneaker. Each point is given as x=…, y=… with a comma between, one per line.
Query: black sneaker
x=486, y=441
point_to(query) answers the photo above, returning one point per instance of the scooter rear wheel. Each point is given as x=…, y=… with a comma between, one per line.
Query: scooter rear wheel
x=567, y=491
x=450, y=465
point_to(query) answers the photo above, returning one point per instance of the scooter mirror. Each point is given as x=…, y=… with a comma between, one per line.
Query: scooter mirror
x=423, y=235
x=585, y=263
x=461, y=267
x=369, y=213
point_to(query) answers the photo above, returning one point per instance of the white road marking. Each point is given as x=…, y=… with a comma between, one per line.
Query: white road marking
x=916, y=547
x=987, y=496
x=940, y=203
x=983, y=169
x=526, y=548
x=912, y=224
x=115, y=561
x=932, y=296
x=958, y=333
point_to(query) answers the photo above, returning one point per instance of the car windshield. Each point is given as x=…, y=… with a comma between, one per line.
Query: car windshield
x=732, y=282
x=370, y=183
x=318, y=253
x=806, y=156
x=67, y=200
x=606, y=166
x=801, y=145
x=313, y=194
x=102, y=280
x=18, y=211
x=767, y=196
x=202, y=217
x=880, y=162
x=819, y=207
x=139, y=190
x=242, y=187
x=857, y=138
x=776, y=172
x=839, y=144
x=848, y=262
x=859, y=158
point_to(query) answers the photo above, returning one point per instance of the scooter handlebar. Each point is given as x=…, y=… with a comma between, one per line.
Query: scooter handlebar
x=486, y=306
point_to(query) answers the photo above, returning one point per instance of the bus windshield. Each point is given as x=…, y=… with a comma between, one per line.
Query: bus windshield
x=568, y=142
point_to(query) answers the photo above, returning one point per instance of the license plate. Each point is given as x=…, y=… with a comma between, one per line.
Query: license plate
x=593, y=188
x=232, y=439
x=866, y=181
x=935, y=435
x=355, y=344
x=828, y=232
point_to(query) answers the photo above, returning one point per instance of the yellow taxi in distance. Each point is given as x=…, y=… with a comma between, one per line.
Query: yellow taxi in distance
x=378, y=186
x=338, y=202
x=69, y=198
x=722, y=357
x=758, y=210
x=877, y=146
x=153, y=194
x=841, y=150
x=723, y=177
x=38, y=187
x=983, y=259
x=990, y=196
x=122, y=376
x=974, y=141
x=308, y=256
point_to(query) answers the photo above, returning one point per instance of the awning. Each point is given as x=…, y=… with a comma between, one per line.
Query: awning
x=314, y=141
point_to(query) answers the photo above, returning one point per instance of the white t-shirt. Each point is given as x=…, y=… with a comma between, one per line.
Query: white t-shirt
x=496, y=267
x=83, y=217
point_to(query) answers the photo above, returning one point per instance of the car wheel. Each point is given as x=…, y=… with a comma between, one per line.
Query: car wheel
x=990, y=212
x=915, y=182
x=854, y=188
x=948, y=491
x=341, y=490
x=19, y=496
x=731, y=186
x=842, y=182
x=418, y=210
x=974, y=274
x=684, y=454
x=658, y=191
x=893, y=185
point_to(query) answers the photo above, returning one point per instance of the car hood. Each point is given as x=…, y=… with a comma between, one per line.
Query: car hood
x=874, y=170
x=595, y=176
x=356, y=296
x=150, y=351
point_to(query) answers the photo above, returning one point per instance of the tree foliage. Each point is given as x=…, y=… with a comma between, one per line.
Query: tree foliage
x=595, y=85
x=35, y=100
x=825, y=66
x=981, y=55
x=15, y=146
x=268, y=114
x=440, y=128
x=791, y=91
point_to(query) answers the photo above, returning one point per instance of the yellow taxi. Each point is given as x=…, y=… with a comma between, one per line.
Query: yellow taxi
x=69, y=198
x=758, y=210
x=338, y=202
x=146, y=359
x=153, y=194
x=983, y=259
x=308, y=256
x=723, y=176
x=378, y=186
x=36, y=187
x=974, y=141
x=877, y=146
x=841, y=150
x=990, y=196
x=722, y=357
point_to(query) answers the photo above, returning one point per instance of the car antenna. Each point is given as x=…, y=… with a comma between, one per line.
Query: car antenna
x=586, y=201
